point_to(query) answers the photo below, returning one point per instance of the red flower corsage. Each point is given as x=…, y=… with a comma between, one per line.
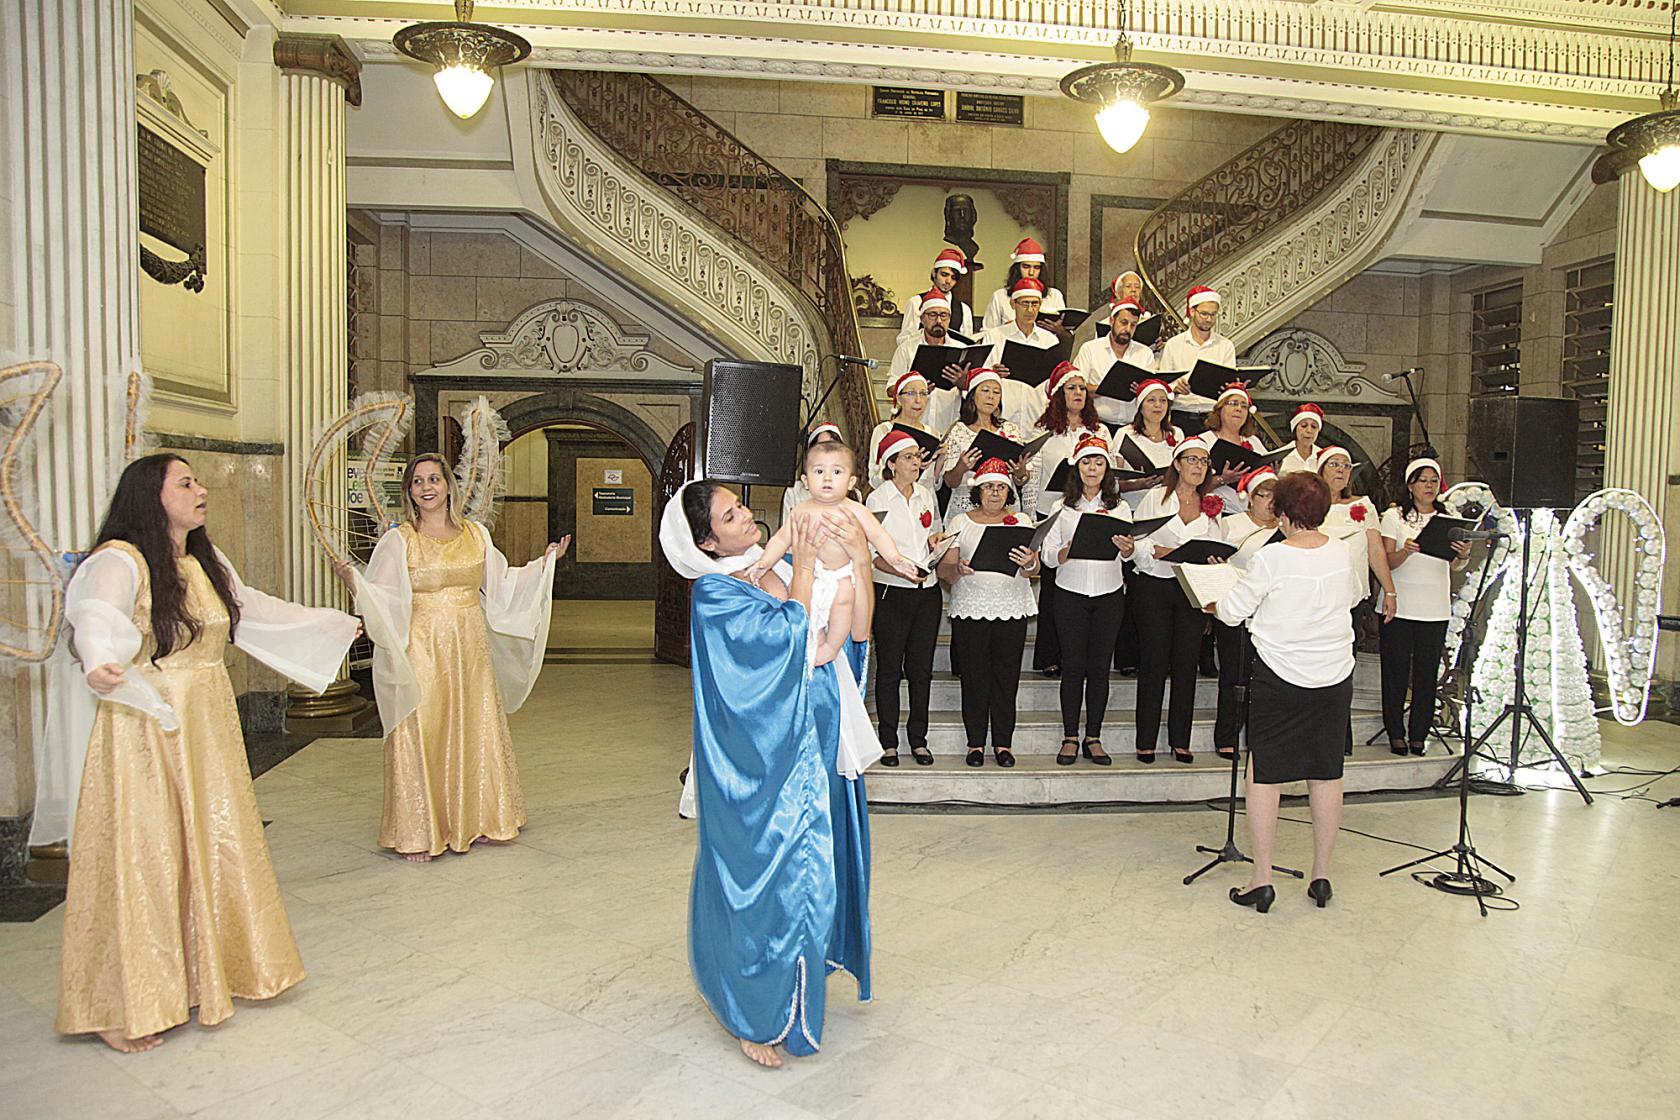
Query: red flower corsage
x=1212, y=504
x=927, y=519
x=1357, y=513
x=1011, y=519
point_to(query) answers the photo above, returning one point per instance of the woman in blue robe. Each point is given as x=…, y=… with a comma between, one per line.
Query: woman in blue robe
x=781, y=875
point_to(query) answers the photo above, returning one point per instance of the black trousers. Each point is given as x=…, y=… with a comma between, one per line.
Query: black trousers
x=1411, y=651
x=906, y=631
x=1227, y=726
x=1047, y=648
x=988, y=658
x=1169, y=643
x=1126, y=644
x=1088, y=625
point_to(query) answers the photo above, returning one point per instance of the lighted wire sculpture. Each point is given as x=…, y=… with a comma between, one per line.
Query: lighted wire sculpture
x=382, y=420
x=479, y=478
x=33, y=606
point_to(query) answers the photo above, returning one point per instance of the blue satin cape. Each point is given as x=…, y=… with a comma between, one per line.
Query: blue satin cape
x=781, y=874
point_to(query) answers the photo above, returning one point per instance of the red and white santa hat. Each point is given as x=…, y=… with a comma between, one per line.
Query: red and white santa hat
x=1236, y=389
x=1421, y=462
x=1153, y=385
x=891, y=444
x=978, y=377
x=1088, y=446
x=1307, y=411
x=1028, y=252
x=1325, y=454
x=1114, y=288
x=1119, y=305
x=817, y=432
x=1026, y=286
x=1062, y=374
x=1200, y=294
x=905, y=379
x=935, y=300
x=993, y=470
x=1193, y=443
x=1246, y=484
x=952, y=259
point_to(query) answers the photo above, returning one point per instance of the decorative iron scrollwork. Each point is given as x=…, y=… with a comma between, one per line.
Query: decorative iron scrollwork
x=188, y=273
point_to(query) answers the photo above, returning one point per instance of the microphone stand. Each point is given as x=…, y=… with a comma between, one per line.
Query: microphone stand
x=839, y=372
x=1230, y=853
x=1417, y=410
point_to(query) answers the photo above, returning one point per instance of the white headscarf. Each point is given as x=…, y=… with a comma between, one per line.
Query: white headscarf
x=677, y=541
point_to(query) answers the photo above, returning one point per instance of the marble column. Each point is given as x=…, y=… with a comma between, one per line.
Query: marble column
x=72, y=279
x=319, y=77
x=1642, y=444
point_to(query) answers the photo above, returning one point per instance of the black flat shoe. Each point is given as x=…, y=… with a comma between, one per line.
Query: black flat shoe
x=922, y=755
x=1063, y=758
x=1054, y=672
x=1005, y=757
x=1097, y=759
x=1419, y=747
x=1184, y=755
x=1260, y=897
x=1397, y=746
x=976, y=756
x=889, y=758
x=1319, y=891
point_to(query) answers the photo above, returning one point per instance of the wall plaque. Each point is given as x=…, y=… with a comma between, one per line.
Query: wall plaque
x=905, y=102
x=990, y=108
x=171, y=202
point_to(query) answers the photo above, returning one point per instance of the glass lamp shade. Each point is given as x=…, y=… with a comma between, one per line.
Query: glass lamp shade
x=1662, y=167
x=463, y=88
x=1122, y=123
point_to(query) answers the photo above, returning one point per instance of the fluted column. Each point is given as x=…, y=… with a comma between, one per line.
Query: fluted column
x=1642, y=441
x=319, y=76
x=73, y=295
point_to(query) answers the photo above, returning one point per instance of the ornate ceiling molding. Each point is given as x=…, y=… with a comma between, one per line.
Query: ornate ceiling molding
x=565, y=337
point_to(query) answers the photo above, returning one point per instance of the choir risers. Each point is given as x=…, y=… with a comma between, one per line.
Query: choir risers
x=1036, y=780
x=1039, y=693
x=1040, y=732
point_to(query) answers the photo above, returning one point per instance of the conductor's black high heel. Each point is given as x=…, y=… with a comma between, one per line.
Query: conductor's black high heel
x=1319, y=891
x=1260, y=897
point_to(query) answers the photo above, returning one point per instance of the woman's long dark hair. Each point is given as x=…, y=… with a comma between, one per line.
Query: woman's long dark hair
x=1108, y=492
x=136, y=516
x=970, y=412
x=1056, y=418
x=1043, y=277
x=1408, y=505
x=697, y=508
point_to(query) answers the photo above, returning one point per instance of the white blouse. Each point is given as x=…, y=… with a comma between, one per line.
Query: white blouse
x=1158, y=501
x=1422, y=584
x=909, y=522
x=1159, y=452
x=1053, y=454
x=991, y=595
x=1294, y=462
x=876, y=477
x=1353, y=530
x=1084, y=577
x=957, y=442
x=1297, y=604
x=1240, y=529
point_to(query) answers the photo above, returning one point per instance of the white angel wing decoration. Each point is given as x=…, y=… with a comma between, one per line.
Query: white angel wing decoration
x=32, y=606
x=478, y=472
x=382, y=419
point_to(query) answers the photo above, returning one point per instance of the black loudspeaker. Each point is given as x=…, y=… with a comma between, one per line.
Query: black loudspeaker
x=749, y=428
x=1524, y=448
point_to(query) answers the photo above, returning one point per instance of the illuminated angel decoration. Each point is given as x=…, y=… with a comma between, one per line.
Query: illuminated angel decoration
x=382, y=420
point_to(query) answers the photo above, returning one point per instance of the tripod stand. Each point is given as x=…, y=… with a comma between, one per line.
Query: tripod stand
x=1517, y=710
x=1466, y=877
x=1230, y=853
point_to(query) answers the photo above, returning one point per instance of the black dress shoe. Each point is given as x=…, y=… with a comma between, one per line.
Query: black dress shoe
x=1419, y=746
x=1397, y=746
x=922, y=755
x=1064, y=757
x=1102, y=759
x=889, y=758
x=1184, y=755
x=1260, y=897
x=976, y=756
x=1005, y=757
x=1147, y=757
x=1319, y=891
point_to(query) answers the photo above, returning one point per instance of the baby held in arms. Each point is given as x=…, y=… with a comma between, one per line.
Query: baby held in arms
x=829, y=475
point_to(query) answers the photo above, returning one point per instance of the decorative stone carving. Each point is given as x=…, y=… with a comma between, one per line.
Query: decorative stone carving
x=156, y=85
x=1310, y=366
x=325, y=55
x=859, y=196
x=873, y=301
x=565, y=336
x=1030, y=207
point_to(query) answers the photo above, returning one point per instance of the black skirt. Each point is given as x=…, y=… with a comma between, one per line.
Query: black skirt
x=1296, y=734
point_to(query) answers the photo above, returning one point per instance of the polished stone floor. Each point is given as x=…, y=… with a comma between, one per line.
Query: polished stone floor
x=1027, y=965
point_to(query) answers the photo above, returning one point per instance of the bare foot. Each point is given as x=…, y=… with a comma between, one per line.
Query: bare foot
x=765, y=1056
x=417, y=857
x=122, y=1045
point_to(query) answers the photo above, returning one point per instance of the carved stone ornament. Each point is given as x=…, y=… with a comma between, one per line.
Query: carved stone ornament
x=873, y=301
x=859, y=196
x=564, y=337
x=325, y=56
x=1029, y=207
x=1310, y=366
x=156, y=85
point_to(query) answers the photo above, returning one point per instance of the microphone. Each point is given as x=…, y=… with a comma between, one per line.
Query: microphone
x=867, y=363
x=1474, y=535
x=1402, y=373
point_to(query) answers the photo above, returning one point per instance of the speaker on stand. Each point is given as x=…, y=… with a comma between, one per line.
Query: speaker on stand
x=749, y=427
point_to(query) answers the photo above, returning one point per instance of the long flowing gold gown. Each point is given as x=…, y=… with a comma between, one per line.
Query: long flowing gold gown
x=172, y=900
x=450, y=775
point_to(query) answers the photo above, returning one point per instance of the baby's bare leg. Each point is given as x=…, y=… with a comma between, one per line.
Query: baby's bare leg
x=839, y=623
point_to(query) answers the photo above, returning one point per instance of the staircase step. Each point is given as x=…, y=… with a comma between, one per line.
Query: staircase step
x=1041, y=693
x=1040, y=732
x=1037, y=781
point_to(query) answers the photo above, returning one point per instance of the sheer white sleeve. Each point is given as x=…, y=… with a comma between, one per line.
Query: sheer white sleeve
x=99, y=605
x=1239, y=603
x=306, y=644
x=518, y=604
x=385, y=599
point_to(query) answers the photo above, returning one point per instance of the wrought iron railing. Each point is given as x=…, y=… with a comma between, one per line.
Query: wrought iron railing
x=1260, y=190
x=686, y=152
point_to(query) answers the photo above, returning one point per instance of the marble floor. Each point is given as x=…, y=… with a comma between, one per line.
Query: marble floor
x=1027, y=965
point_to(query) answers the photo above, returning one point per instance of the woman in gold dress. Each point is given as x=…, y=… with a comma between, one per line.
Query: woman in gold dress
x=458, y=642
x=172, y=902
